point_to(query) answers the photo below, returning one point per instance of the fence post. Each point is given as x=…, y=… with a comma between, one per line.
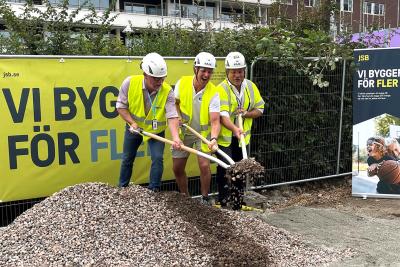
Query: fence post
x=252, y=68
x=251, y=79
x=341, y=116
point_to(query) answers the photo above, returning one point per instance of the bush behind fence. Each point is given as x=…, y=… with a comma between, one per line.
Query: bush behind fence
x=298, y=136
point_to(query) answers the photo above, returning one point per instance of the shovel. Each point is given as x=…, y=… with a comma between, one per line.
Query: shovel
x=242, y=141
x=206, y=141
x=183, y=147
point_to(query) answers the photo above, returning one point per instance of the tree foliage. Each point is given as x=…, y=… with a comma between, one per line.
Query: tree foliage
x=383, y=122
x=54, y=29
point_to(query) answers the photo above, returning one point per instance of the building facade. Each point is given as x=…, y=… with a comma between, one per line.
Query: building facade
x=133, y=15
x=361, y=15
x=351, y=15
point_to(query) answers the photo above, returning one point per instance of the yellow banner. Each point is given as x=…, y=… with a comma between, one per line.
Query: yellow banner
x=60, y=126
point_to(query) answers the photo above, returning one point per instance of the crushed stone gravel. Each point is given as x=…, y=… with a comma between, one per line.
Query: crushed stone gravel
x=94, y=224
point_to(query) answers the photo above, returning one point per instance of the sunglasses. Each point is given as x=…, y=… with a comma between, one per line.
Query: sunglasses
x=157, y=79
x=373, y=141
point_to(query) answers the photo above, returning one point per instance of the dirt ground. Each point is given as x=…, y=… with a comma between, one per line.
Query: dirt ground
x=325, y=214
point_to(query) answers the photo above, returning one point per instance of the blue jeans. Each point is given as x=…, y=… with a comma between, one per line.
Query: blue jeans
x=131, y=145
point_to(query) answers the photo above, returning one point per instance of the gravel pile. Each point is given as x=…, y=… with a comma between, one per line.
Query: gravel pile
x=95, y=224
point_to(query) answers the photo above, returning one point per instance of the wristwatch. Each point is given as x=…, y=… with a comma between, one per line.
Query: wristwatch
x=213, y=138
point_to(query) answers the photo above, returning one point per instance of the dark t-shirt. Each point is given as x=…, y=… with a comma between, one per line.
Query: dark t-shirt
x=387, y=188
x=384, y=187
x=372, y=160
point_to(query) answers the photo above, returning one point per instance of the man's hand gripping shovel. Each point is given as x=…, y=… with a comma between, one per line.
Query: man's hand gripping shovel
x=183, y=147
x=206, y=141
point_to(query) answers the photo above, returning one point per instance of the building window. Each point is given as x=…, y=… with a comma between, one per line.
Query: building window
x=195, y=11
x=142, y=9
x=368, y=8
x=311, y=3
x=231, y=17
x=347, y=5
x=381, y=9
x=286, y=2
x=97, y=4
x=374, y=8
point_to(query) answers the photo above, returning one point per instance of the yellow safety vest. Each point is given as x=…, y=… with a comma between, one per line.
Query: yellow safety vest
x=229, y=103
x=137, y=109
x=186, y=106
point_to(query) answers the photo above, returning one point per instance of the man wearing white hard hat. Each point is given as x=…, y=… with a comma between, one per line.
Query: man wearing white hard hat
x=198, y=105
x=147, y=102
x=238, y=96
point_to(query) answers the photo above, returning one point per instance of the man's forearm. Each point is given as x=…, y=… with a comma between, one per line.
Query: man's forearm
x=126, y=115
x=253, y=114
x=215, y=124
x=226, y=121
x=173, y=124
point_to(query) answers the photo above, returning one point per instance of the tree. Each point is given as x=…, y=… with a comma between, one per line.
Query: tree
x=56, y=30
x=383, y=122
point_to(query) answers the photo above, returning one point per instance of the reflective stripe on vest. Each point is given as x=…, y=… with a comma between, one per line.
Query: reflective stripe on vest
x=186, y=106
x=137, y=109
x=148, y=122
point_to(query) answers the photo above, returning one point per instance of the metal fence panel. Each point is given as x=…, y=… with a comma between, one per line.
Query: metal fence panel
x=10, y=210
x=301, y=134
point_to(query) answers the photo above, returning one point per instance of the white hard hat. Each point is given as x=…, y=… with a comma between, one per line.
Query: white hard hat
x=206, y=60
x=235, y=60
x=154, y=65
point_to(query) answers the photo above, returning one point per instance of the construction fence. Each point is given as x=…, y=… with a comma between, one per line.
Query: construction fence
x=304, y=134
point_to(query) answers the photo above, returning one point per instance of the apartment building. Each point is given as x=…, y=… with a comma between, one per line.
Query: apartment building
x=134, y=15
x=211, y=14
x=352, y=15
x=360, y=15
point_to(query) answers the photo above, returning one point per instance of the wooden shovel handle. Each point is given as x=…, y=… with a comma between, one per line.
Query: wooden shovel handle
x=242, y=141
x=205, y=140
x=165, y=140
x=183, y=147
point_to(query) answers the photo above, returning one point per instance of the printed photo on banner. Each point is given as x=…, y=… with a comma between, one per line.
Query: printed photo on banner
x=376, y=123
x=376, y=152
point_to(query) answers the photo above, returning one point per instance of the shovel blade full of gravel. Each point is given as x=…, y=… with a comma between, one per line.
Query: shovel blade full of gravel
x=242, y=173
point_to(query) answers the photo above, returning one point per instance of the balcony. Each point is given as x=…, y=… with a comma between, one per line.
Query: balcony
x=143, y=16
x=143, y=21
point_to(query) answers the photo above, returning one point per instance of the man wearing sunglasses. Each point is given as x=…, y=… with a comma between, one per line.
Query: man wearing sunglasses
x=147, y=101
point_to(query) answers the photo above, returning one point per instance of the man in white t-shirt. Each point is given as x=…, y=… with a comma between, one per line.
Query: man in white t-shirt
x=198, y=105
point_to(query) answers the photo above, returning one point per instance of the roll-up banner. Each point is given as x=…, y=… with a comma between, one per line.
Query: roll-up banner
x=59, y=125
x=376, y=123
